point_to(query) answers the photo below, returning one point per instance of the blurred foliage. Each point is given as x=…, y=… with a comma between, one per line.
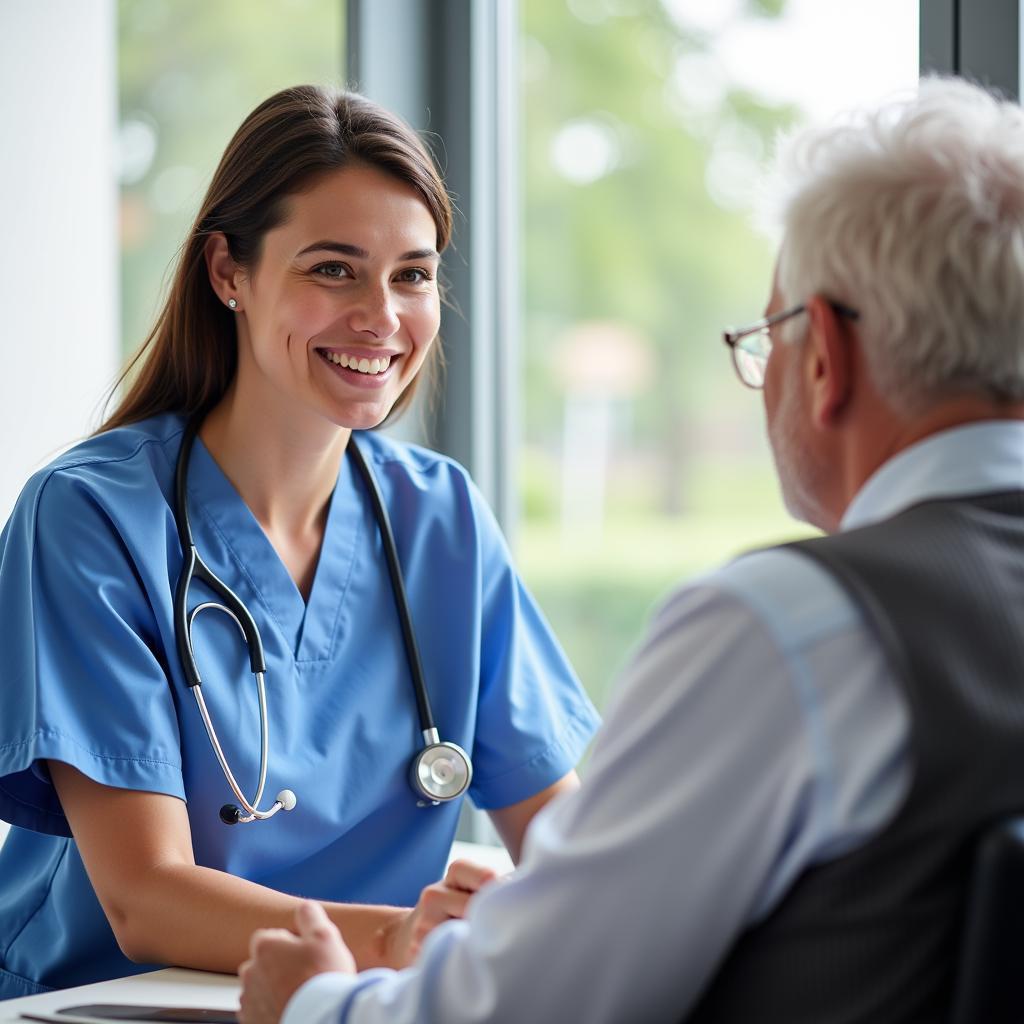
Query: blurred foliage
x=643, y=237
x=189, y=72
x=598, y=594
x=645, y=243
x=772, y=8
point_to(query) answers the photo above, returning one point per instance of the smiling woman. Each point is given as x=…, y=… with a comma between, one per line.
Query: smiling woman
x=366, y=295
x=241, y=463
x=278, y=175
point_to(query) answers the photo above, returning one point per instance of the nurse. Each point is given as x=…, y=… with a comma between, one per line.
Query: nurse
x=304, y=308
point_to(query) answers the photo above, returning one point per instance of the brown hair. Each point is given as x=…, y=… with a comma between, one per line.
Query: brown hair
x=190, y=356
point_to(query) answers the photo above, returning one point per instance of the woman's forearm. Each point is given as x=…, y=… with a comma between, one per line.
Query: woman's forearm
x=199, y=917
x=164, y=908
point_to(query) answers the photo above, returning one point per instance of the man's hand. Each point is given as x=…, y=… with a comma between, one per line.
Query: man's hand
x=279, y=962
x=438, y=903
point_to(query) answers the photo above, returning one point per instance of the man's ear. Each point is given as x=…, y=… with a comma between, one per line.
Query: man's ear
x=225, y=275
x=829, y=362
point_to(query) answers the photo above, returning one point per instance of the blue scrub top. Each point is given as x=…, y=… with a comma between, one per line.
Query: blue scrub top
x=89, y=675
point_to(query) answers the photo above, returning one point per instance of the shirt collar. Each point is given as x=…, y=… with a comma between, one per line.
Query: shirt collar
x=978, y=458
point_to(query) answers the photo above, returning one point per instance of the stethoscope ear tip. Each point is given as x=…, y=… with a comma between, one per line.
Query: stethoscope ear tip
x=287, y=799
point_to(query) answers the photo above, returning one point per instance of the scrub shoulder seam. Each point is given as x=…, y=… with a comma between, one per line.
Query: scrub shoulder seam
x=423, y=459
x=66, y=471
x=93, y=460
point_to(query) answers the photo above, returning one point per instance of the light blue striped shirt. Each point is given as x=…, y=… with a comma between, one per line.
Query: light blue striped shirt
x=758, y=731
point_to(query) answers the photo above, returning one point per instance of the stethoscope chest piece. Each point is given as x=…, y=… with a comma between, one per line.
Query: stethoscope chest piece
x=440, y=771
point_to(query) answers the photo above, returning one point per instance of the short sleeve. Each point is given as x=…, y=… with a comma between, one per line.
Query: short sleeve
x=534, y=719
x=81, y=678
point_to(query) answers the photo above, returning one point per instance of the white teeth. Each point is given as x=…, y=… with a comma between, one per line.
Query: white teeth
x=367, y=366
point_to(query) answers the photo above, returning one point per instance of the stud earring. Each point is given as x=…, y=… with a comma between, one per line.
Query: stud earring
x=232, y=303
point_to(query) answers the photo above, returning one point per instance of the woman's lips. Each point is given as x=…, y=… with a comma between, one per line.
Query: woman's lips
x=356, y=376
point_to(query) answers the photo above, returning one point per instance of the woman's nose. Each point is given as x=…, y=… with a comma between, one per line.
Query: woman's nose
x=374, y=313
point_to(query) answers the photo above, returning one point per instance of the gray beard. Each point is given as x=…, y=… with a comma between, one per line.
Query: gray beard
x=800, y=475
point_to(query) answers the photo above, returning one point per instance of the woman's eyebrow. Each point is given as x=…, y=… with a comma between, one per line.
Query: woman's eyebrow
x=346, y=249
x=341, y=247
x=421, y=254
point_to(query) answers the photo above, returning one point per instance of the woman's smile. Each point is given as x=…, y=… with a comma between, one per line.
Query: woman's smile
x=359, y=366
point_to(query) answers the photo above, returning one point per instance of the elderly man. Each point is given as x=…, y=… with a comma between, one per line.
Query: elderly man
x=777, y=819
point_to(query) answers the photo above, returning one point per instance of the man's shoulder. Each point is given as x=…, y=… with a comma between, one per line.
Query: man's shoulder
x=790, y=594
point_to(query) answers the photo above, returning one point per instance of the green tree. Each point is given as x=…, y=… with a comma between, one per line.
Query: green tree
x=645, y=243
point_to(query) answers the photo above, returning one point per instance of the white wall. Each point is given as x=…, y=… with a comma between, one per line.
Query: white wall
x=59, y=345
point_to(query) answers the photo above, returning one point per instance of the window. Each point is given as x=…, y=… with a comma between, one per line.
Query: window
x=189, y=72
x=647, y=126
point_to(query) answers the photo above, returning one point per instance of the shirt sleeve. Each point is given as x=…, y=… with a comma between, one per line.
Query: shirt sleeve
x=534, y=719
x=82, y=679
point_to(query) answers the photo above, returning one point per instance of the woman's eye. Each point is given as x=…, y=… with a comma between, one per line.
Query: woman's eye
x=332, y=270
x=414, y=275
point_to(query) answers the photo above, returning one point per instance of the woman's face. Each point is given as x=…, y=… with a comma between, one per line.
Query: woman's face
x=343, y=306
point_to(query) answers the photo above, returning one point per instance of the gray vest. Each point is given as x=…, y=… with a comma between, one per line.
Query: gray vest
x=872, y=937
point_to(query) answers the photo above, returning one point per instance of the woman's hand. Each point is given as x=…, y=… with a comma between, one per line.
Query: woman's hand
x=440, y=902
x=280, y=962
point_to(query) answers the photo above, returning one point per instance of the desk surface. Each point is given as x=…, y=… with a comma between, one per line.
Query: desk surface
x=173, y=987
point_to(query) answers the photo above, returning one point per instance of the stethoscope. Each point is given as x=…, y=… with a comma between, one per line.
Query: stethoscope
x=438, y=773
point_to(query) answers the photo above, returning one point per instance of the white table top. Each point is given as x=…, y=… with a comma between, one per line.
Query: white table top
x=172, y=987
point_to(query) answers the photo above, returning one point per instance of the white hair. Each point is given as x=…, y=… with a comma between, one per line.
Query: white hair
x=913, y=214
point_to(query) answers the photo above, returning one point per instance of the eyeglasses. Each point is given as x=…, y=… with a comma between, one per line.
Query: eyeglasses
x=751, y=346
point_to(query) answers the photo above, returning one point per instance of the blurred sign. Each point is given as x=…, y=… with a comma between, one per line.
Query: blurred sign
x=603, y=358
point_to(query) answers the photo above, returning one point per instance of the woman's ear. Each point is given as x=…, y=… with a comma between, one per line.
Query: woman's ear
x=830, y=362
x=224, y=272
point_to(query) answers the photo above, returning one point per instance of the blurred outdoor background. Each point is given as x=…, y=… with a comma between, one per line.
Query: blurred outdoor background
x=647, y=124
x=645, y=127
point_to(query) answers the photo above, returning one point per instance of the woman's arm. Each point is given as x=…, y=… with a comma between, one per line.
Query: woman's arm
x=164, y=908
x=512, y=821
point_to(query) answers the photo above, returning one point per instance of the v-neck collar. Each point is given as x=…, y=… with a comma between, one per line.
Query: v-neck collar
x=307, y=628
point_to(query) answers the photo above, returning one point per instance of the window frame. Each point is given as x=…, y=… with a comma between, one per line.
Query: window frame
x=979, y=40
x=450, y=68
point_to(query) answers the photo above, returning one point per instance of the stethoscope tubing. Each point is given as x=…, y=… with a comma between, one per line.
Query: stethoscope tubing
x=195, y=568
x=435, y=754
x=250, y=808
x=423, y=708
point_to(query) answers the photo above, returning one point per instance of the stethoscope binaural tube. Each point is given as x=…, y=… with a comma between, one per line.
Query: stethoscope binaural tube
x=440, y=772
